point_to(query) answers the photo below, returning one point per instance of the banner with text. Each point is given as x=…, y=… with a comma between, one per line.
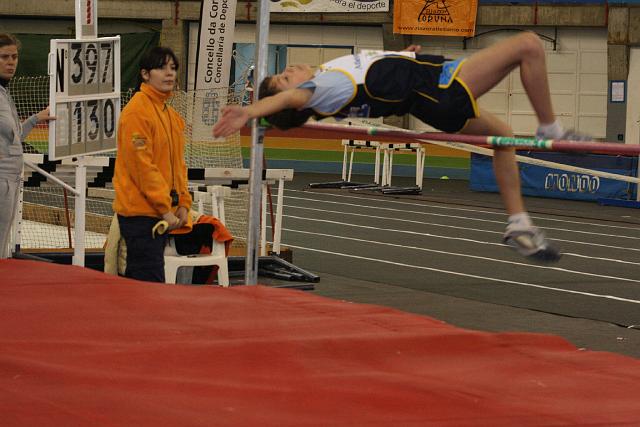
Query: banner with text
x=435, y=17
x=213, y=62
x=329, y=6
x=541, y=181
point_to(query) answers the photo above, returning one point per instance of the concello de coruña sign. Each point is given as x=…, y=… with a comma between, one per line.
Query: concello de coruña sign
x=213, y=62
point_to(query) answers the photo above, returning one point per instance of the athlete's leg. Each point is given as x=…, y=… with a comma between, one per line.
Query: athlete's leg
x=520, y=233
x=486, y=68
x=505, y=166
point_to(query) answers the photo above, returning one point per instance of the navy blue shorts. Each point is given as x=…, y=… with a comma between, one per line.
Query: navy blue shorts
x=451, y=113
x=425, y=87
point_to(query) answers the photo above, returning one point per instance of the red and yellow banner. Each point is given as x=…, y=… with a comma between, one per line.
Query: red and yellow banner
x=435, y=17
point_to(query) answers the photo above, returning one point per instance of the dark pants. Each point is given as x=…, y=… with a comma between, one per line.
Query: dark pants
x=145, y=254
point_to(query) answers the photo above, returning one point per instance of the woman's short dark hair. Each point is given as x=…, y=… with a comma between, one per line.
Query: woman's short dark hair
x=288, y=118
x=267, y=88
x=156, y=58
x=7, y=39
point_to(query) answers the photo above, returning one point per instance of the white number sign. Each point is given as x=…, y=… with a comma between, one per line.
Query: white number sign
x=84, y=96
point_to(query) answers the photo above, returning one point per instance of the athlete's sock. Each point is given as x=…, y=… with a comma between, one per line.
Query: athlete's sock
x=520, y=221
x=550, y=130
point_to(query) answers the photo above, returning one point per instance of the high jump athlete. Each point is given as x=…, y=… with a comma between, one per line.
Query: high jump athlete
x=439, y=92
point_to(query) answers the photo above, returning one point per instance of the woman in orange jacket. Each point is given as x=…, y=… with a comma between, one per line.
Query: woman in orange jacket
x=150, y=178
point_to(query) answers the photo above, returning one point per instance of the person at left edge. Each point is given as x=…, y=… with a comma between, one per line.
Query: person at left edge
x=12, y=133
x=150, y=178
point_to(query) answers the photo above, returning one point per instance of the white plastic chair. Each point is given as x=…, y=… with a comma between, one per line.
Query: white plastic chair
x=173, y=261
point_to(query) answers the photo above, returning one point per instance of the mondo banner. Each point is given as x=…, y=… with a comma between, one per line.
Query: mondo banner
x=435, y=17
x=547, y=182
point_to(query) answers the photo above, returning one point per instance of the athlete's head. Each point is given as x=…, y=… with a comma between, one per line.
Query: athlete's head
x=292, y=77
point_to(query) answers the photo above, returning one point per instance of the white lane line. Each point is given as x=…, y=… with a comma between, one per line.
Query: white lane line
x=600, y=258
x=439, y=225
x=416, y=248
x=455, y=273
x=458, y=217
x=467, y=210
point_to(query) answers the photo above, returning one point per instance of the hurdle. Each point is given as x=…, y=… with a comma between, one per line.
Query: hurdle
x=387, y=169
x=350, y=146
x=383, y=171
x=235, y=177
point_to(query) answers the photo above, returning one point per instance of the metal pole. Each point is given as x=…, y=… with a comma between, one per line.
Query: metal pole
x=395, y=135
x=16, y=230
x=278, y=227
x=257, y=148
x=638, y=174
x=638, y=185
x=263, y=221
x=81, y=200
x=52, y=178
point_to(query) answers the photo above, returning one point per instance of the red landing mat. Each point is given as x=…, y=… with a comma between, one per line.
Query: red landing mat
x=80, y=348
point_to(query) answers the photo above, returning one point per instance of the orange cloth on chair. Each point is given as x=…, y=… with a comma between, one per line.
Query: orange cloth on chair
x=220, y=233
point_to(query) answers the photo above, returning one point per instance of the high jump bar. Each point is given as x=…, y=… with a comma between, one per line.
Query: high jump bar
x=385, y=134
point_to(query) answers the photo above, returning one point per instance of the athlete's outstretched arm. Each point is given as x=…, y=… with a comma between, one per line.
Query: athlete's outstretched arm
x=234, y=117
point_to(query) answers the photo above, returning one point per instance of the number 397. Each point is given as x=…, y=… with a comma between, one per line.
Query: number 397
x=92, y=63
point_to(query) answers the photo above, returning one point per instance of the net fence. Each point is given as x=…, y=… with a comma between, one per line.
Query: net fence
x=48, y=216
x=48, y=210
x=31, y=94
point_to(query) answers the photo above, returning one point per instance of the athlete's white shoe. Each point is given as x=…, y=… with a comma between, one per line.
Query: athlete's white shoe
x=531, y=243
x=568, y=135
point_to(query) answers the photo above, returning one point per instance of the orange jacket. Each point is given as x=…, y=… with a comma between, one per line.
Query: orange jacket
x=150, y=158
